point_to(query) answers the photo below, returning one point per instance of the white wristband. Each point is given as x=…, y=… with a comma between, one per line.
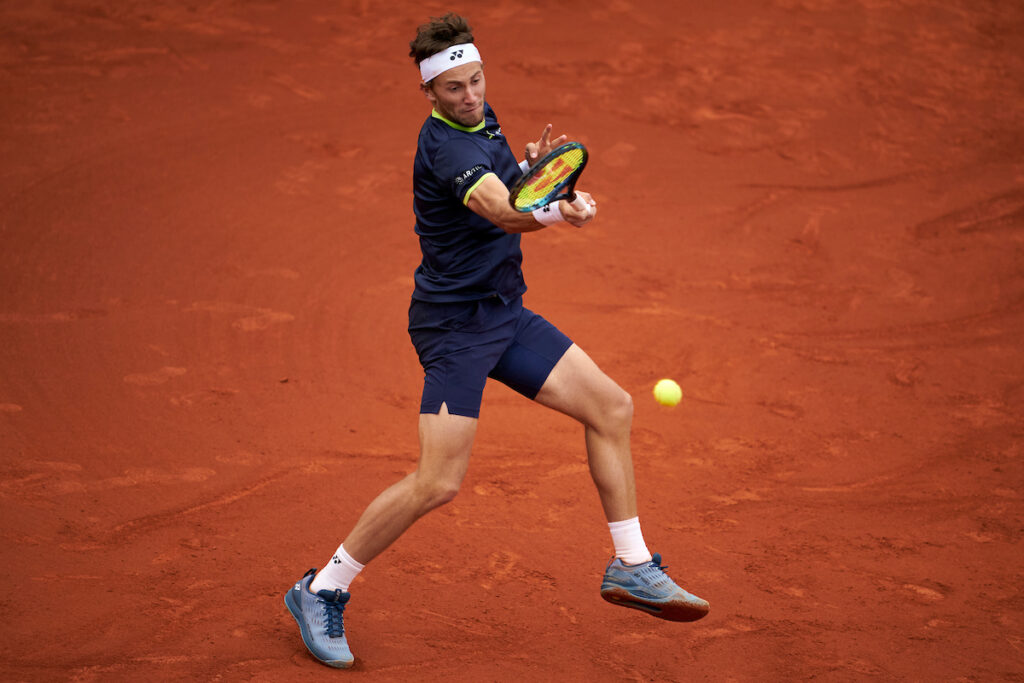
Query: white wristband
x=550, y=214
x=524, y=165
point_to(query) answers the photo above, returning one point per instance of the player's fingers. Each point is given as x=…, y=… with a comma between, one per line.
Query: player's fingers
x=531, y=150
x=580, y=211
x=545, y=135
x=587, y=202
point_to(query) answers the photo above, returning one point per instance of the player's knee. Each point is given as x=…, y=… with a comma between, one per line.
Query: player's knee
x=611, y=413
x=438, y=492
x=618, y=411
x=445, y=494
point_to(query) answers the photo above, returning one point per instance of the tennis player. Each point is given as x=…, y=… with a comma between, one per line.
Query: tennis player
x=467, y=322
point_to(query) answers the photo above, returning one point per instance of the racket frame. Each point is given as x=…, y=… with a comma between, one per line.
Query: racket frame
x=565, y=189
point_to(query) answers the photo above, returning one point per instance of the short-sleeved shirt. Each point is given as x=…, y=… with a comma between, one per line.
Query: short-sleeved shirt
x=465, y=256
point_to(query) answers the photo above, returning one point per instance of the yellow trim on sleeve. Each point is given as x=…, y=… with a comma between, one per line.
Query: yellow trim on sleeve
x=465, y=197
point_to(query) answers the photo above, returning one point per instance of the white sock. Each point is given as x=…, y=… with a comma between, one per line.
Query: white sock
x=338, y=573
x=629, y=541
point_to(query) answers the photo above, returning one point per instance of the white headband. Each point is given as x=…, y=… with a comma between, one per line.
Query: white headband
x=456, y=55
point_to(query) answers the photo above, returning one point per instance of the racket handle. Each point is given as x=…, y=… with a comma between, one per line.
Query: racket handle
x=580, y=204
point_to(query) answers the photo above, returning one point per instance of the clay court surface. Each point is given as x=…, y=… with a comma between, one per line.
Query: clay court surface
x=811, y=216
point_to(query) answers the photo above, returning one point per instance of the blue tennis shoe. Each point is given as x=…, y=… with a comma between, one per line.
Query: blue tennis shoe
x=647, y=587
x=321, y=619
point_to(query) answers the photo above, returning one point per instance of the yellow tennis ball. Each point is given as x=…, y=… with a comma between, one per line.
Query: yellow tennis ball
x=667, y=392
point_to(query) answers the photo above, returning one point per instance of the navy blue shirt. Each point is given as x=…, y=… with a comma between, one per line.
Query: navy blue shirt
x=465, y=256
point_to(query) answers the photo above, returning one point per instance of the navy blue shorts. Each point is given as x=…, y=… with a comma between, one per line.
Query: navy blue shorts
x=461, y=344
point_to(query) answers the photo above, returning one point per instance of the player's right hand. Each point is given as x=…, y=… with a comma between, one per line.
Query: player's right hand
x=579, y=217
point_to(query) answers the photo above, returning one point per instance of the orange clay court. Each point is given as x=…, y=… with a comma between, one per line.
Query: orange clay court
x=811, y=217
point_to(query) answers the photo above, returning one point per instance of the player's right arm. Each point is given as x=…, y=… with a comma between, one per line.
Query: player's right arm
x=490, y=199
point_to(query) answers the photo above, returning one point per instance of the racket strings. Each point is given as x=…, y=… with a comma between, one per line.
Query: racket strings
x=550, y=177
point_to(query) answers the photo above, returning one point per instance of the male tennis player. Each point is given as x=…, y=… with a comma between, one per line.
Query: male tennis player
x=468, y=323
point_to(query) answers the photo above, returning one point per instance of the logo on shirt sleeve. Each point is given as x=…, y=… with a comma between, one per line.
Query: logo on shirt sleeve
x=459, y=179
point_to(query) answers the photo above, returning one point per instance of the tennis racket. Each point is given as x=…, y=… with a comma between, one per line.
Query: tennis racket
x=551, y=179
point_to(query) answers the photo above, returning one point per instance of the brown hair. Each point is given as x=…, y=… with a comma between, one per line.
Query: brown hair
x=439, y=34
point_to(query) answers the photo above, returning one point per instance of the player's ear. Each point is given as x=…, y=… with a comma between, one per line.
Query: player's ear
x=428, y=92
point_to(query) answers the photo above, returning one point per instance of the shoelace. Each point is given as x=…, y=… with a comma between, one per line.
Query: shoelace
x=653, y=574
x=334, y=613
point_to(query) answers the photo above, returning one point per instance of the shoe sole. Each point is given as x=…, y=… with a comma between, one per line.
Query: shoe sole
x=670, y=610
x=297, y=616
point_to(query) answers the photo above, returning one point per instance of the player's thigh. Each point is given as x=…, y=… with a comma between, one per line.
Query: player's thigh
x=458, y=344
x=446, y=442
x=580, y=389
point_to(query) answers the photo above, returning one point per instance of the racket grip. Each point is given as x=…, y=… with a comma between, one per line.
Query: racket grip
x=580, y=204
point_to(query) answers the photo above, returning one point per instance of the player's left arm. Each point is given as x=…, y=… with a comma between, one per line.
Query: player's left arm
x=489, y=198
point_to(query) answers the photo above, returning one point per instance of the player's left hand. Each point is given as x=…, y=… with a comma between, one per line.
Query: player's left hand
x=535, y=151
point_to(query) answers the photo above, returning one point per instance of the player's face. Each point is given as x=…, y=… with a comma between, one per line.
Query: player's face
x=458, y=94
